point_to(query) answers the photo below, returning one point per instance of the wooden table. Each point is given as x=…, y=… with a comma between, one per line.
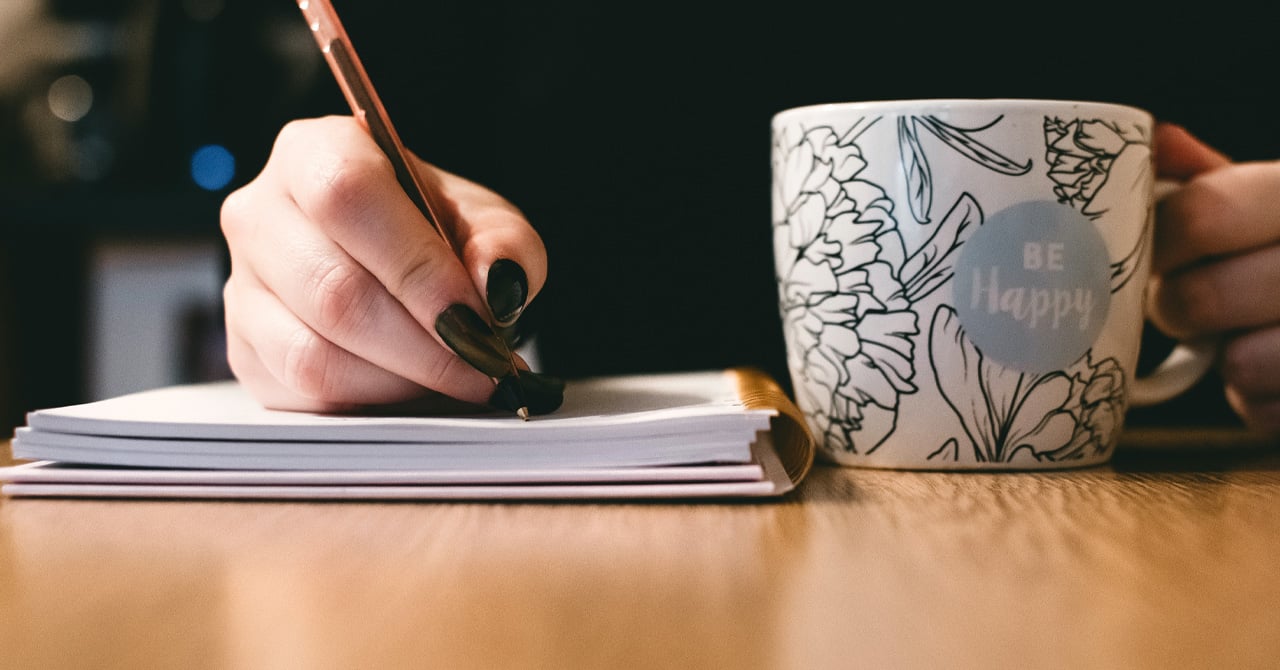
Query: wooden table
x=1169, y=558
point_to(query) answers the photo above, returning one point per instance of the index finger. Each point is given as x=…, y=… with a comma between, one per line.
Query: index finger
x=503, y=254
x=1223, y=212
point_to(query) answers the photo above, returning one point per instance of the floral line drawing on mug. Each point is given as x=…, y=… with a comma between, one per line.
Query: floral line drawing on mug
x=1095, y=166
x=915, y=162
x=847, y=284
x=866, y=296
x=1054, y=416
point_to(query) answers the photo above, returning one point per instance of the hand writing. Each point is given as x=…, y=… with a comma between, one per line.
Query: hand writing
x=338, y=285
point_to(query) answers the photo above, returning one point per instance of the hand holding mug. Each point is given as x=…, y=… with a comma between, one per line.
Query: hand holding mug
x=1217, y=266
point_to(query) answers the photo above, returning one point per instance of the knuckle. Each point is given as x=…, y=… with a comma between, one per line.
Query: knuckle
x=290, y=133
x=343, y=297
x=293, y=128
x=1198, y=302
x=236, y=212
x=300, y=132
x=443, y=373
x=440, y=370
x=312, y=366
x=1204, y=204
x=419, y=274
x=339, y=188
x=310, y=129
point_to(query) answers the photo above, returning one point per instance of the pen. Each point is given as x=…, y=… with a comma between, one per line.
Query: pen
x=368, y=110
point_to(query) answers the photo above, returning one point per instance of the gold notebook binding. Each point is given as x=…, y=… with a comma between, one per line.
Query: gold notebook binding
x=791, y=437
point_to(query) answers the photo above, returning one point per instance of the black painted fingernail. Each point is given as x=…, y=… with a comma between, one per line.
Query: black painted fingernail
x=506, y=289
x=473, y=340
x=541, y=394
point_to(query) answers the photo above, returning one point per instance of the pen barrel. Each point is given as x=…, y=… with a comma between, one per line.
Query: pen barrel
x=367, y=107
x=370, y=111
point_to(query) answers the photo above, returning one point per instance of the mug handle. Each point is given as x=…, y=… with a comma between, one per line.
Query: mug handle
x=1185, y=365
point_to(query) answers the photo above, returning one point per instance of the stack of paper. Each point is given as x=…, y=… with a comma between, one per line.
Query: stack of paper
x=671, y=435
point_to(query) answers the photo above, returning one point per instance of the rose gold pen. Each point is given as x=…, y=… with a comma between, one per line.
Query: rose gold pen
x=368, y=110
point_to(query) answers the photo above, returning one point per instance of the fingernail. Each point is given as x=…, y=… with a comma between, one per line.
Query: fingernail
x=506, y=290
x=472, y=339
x=541, y=394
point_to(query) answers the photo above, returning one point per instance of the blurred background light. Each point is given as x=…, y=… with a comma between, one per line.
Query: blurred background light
x=212, y=167
x=70, y=97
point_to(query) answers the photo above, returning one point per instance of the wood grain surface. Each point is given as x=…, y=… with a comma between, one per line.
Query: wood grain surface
x=1167, y=558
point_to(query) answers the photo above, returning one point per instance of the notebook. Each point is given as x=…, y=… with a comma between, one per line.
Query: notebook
x=718, y=433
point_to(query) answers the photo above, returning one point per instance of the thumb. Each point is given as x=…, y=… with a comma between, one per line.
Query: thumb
x=1181, y=155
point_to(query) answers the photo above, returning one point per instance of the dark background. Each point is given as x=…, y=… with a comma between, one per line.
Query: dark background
x=634, y=138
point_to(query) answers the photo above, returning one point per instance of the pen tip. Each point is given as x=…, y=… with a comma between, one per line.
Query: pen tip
x=523, y=413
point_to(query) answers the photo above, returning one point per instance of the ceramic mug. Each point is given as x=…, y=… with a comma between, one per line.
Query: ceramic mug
x=961, y=282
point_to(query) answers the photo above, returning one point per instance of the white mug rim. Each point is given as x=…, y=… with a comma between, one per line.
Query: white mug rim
x=933, y=105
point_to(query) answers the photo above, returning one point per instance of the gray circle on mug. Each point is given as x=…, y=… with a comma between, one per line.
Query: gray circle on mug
x=1032, y=286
